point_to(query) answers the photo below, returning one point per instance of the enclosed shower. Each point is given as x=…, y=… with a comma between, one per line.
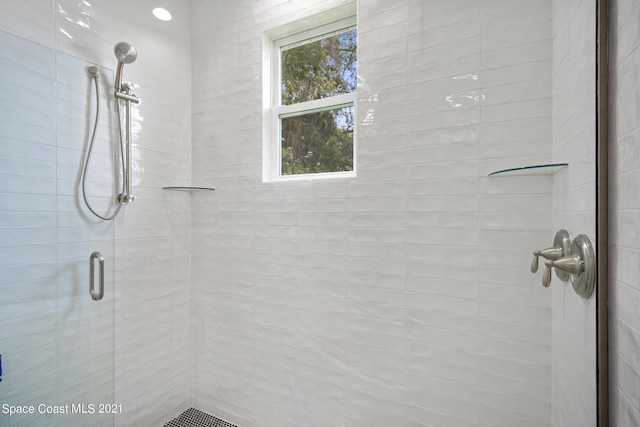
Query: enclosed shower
x=401, y=296
x=126, y=54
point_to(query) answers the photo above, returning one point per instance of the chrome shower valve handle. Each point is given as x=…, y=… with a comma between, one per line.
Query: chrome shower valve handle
x=553, y=253
x=571, y=264
x=560, y=248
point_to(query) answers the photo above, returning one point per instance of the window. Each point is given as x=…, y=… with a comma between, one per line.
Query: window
x=310, y=113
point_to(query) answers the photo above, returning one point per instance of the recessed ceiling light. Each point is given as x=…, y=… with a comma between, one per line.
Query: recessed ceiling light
x=162, y=14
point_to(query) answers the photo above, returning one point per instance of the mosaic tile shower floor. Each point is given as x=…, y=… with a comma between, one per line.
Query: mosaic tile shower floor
x=195, y=418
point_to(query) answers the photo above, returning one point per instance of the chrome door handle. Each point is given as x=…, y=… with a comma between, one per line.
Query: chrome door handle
x=92, y=290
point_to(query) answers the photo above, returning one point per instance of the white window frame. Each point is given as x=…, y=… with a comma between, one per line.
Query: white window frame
x=295, y=34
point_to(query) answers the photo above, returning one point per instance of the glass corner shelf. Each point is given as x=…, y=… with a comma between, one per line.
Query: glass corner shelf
x=188, y=188
x=546, y=169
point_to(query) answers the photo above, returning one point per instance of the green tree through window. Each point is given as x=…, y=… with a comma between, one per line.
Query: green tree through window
x=318, y=140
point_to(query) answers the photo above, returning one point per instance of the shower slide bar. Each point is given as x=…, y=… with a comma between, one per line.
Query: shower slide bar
x=123, y=91
x=126, y=54
x=92, y=290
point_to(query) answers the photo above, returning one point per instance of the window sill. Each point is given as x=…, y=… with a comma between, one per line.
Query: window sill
x=310, y=177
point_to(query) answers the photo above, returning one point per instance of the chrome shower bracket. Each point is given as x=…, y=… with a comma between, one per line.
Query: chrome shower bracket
x=94, y=71
x=580, y=264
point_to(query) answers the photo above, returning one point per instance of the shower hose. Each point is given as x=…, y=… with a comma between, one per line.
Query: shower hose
x=96, y=77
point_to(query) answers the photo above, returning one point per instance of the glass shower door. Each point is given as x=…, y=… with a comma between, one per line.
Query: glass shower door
x=56, y=342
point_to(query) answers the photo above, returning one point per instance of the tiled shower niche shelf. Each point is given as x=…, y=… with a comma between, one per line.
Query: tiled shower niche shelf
x=188, y=188
x=546, y=169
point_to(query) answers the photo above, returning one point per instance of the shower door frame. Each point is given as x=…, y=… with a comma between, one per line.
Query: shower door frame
x=602, y=210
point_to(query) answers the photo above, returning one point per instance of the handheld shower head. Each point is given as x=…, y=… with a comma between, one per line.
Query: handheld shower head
x=126, y=54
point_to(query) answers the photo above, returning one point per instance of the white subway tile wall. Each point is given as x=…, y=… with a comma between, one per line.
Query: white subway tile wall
x=390, y=299
x=574, y=334
x=29, y=316
x=625, y=219
x=57, y=344
x=403, y=296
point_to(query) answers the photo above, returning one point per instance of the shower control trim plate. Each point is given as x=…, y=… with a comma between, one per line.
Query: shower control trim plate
x=584, y=282
x=580, y=264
